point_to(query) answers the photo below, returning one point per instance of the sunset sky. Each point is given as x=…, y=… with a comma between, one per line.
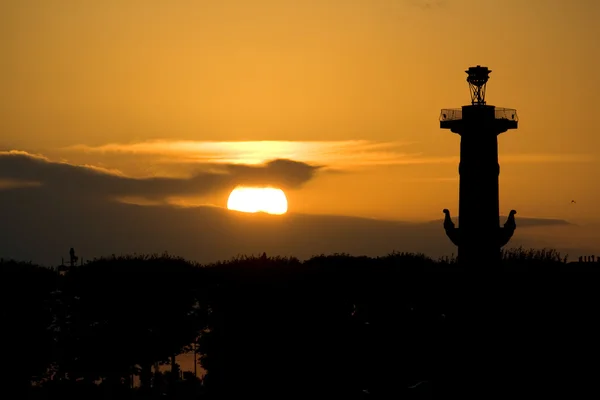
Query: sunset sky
x=174, y=88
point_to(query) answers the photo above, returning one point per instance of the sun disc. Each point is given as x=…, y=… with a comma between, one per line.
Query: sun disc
x=258, y=199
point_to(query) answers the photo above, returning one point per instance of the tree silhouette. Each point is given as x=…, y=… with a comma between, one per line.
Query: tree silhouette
x=128, y=311
x=27, y=341
x=402, y=325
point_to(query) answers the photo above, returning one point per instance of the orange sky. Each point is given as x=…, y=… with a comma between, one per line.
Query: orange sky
x=92, y=82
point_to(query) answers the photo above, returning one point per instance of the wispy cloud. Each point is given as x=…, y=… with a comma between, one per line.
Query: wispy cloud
x=17, y=184
x=453, y=179
x=333, y=154
x=546, y=158
x=39, y=158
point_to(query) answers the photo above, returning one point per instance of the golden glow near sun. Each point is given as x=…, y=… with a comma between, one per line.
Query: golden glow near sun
x=255, y=199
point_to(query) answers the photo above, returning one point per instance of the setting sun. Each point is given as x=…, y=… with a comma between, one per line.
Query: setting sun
x=253, y=199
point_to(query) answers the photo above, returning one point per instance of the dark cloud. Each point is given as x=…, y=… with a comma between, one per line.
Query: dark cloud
x=532, y=222
x=100, y=184
x=285, y=173
x=42, y=230
x=524, y=222
x=70, y=209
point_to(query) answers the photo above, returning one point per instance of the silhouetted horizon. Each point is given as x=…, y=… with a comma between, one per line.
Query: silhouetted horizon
x=125, y=228
x=334, y=324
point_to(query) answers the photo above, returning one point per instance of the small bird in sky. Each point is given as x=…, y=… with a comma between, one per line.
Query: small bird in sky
x=417, y=384
x=573, y=202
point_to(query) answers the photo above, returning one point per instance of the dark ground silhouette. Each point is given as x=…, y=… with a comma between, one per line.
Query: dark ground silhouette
x=402, y=326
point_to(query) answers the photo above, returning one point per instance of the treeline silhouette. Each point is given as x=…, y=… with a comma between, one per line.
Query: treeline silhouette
x=402, y=326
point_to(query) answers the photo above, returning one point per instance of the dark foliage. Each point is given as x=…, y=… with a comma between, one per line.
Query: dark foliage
x=336, y=326
x=27, y=341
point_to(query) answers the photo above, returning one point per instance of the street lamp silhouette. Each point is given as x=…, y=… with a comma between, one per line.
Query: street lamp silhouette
x=479, y=236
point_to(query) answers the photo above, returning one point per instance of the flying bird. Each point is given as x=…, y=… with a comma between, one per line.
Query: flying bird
x=573, y=202
x=417, y=384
